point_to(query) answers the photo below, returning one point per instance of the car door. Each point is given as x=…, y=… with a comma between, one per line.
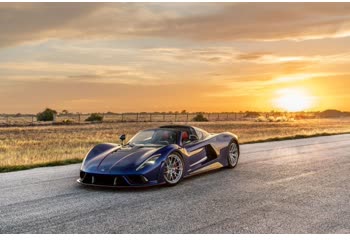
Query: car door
x=196, y=153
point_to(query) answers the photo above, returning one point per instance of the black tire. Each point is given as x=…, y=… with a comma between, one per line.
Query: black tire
x=233, y=154
x=174, y=174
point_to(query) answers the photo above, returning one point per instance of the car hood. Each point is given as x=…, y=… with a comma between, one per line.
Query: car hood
x=121, y=159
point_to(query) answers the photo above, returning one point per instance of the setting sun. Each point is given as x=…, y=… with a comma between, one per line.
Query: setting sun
x=293, y=99
x=168, y=58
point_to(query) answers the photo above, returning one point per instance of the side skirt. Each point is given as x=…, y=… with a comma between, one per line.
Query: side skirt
x=210, y=167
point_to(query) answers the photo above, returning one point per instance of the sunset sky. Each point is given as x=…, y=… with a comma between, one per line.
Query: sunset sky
x=128, y=57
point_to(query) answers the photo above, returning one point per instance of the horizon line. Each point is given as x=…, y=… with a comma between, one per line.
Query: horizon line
x=176, y=112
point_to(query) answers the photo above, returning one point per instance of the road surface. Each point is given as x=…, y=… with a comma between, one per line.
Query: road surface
x=295, y=186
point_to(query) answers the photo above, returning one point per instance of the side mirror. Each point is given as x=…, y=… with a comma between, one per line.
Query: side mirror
x=122, y=138
x=193, y=138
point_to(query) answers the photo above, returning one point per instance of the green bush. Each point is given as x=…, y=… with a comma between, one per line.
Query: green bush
x=200, y=118
x=94, y=117
x=47, y=115
x=67, y=121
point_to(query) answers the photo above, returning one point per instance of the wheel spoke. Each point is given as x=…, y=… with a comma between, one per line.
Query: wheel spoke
x=173, y=169
x=233, y=154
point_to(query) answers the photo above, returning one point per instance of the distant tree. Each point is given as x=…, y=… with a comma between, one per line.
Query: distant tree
x=64, y=112
x=332, y=113
x=183, y=111
x=94, y=117
x=249, y=114
x=47, y=115
x=200, y=118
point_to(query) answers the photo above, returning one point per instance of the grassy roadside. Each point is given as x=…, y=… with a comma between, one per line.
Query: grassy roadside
x=299, y=136
x=78, y=160
x=37, y=165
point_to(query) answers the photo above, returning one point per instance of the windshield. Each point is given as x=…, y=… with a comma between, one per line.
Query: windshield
x=154, y=137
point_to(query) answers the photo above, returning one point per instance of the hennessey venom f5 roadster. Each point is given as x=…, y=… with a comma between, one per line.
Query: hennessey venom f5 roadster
x=163, y=155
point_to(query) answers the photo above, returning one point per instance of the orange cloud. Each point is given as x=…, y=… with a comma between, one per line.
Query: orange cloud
x=215, y=56
x=23, y=22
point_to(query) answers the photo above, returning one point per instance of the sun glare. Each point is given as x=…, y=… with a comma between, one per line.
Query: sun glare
x=293, y=99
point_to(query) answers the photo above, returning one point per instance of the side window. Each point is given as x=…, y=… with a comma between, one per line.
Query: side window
x=205, y=134
x=201, y=133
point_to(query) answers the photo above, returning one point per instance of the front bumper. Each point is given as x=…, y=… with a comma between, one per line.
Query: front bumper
x=107, y=180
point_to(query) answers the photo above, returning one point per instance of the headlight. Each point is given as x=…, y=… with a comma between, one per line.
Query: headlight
x=150, y=161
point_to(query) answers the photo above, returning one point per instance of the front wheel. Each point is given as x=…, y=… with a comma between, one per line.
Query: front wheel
x=173, y=169
x=233, y=154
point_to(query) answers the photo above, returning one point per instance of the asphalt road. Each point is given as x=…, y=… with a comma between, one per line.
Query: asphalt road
x=297, y=186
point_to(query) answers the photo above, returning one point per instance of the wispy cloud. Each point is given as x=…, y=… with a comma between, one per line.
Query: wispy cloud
x=38, y=71
x=215, y=55
x=23, y=22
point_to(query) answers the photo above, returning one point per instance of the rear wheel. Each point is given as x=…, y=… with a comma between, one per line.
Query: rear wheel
x=173, y=169
x=233, y=154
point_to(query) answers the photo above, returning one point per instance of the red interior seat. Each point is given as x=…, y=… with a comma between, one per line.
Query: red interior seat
x=184, y=136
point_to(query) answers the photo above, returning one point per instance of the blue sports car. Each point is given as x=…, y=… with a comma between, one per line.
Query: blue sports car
x=164, y=155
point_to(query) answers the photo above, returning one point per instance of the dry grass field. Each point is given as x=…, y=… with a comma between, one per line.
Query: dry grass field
x=25, y=146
